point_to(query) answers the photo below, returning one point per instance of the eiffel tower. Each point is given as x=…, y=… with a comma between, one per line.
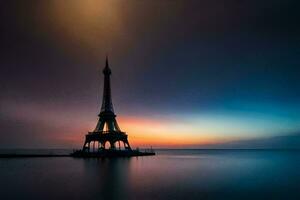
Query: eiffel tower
x=107, y=129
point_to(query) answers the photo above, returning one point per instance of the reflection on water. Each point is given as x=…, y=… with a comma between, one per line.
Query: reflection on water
x=172, y=174
x=108, y=177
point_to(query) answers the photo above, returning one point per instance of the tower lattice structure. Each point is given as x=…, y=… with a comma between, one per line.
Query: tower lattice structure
x=107, y=129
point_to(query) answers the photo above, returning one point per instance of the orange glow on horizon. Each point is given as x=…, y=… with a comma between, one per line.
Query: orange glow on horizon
x=144, y=132
x=69, y=128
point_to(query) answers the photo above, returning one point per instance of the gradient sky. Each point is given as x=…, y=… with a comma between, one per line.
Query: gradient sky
x=185, y=73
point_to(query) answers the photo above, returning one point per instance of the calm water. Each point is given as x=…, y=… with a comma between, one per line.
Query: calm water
x=172, y=174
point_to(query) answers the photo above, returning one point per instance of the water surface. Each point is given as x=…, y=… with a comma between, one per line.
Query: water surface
x=172, y=174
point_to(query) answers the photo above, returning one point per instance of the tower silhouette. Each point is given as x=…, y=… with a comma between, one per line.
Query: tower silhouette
x=107, y=129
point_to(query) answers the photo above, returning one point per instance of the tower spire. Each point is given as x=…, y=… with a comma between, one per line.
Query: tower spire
x=106, y=61
x=106, y=70
x=107, y=106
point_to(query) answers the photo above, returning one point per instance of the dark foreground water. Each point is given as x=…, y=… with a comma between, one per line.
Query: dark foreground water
x=172, y=174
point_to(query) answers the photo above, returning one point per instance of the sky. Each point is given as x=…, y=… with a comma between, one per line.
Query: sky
x=185, y=74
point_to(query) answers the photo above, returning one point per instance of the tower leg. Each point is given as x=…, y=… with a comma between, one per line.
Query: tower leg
x=112, y=145
x=84, y=148
x=126, y=144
